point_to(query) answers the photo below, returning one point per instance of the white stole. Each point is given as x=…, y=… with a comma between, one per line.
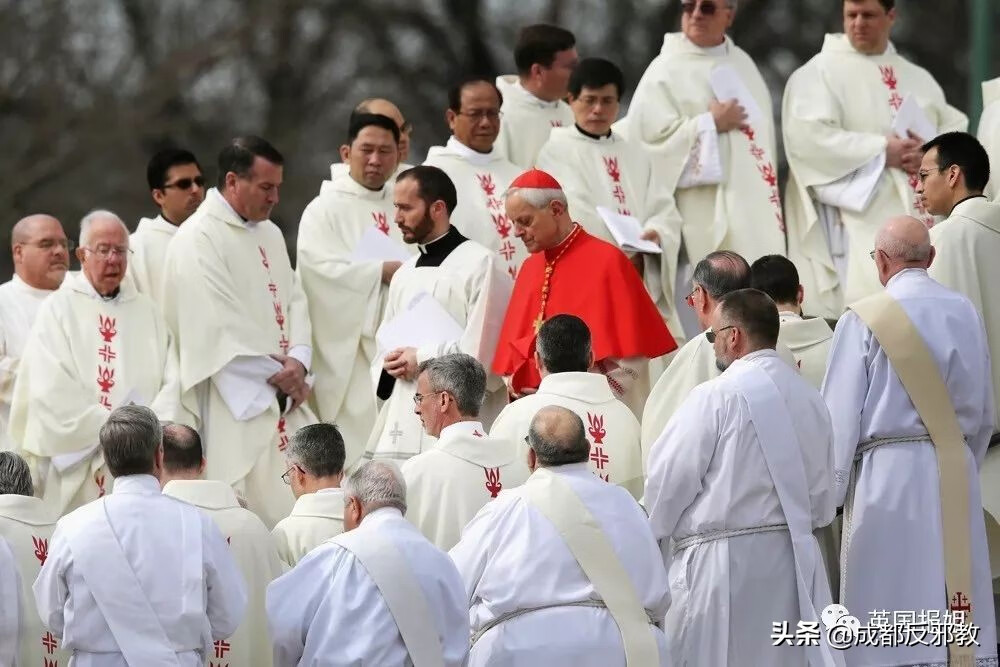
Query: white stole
x=100, y=560
x=780, y=446
x=402, y=594
x=10, y=607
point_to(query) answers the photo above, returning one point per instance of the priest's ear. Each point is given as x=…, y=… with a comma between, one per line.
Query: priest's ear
x=345, y=153
x=532, y=459
x=557, y=207
x=158, y=462
x=800, y=295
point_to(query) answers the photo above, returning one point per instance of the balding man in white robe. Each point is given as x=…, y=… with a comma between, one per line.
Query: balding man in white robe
x=563, y=570
x=26, y=528
x=96, y=344
x=743, y=474
x=137, y=578
x=466, y=468
x=564, y=358
x=315, y=471
x=41, y=258
x=382, y=570
x=247, y=537
x=383, y=107
x=851, y=164
x=534, y=98
x=914, y=537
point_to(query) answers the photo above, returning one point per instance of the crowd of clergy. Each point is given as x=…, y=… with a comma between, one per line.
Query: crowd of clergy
x=576, y=390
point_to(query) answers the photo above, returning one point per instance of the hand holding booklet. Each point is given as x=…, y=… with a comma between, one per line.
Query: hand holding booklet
x=375, y=246
x=727, y=85
x=627, y=232
x=424, y=322
x=911, y=119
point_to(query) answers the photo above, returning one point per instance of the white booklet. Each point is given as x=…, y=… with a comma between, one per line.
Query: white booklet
x=855, y=191
x=424, y=322
x=375, y=246
x=727, y=85
x=911, y=118
x=627, y=232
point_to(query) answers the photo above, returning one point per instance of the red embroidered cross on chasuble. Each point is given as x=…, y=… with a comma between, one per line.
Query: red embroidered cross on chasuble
x=582, y=276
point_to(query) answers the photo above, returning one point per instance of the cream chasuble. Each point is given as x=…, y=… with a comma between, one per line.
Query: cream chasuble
x=617, y=174
x=692, y=364
x=315, y=518
x=86, y=356
x=988, y=133
x=239, y=273
x=526, y=122
x=346, y=299
x=472, y=285
x=481, y=179
x=26, y=526
x=338, y=169
x=449, y=483
x=612, y=429
x=149, y=253
x=809, y=340
x=250, y=544
x=19, y=303
x=838, y=109
x=726, y=185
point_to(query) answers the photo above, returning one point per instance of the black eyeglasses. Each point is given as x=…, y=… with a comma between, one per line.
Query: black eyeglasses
x=707, y=7
x=710, y=334
x=186, y=183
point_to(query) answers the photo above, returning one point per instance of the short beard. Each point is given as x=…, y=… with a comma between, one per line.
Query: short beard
x=722, y=365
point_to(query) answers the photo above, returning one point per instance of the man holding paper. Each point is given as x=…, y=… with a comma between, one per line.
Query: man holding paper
x=348, y=251
x=450, y=298
x=242, y=326
x=572, y=272
x=563, y=570
x=703, y=111
x=609, y=183
x=138, y=578
x=854, y=118
x=97, y=343
x=911, y=399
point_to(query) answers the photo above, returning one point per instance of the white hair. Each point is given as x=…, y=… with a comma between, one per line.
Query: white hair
x=902, y=249
x=377, y=484
x=95, y=215
x=538, y=197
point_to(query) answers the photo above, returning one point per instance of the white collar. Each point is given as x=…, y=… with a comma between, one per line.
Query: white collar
x=249, y=224
x=906, y=274
x=467, y=154
x=28, y=289
x=718, y=50
x=330, y=489
x=473, y=428
x=143, y=485
x=788, y=316
x=569, y=384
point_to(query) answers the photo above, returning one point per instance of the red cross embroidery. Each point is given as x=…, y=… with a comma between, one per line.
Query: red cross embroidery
x=477, y=433
x=960, y=602
x=624, y=211
x=273, y=289
x=217, y=664
x=502, y=224
x=768, y=174
x=105, y=378
x=775, y=197
x=283, y=343
x=598, y=456
x=279, y=316
x=487, y=184
x=381, y=221
x=263, y=257
x=888, y=76
x=99, y=481
x=106, y=328
x=605, y=477
x=41, y=549
x=221, y=648
x=106, y=353
x=494, y=204
x=513, y=272
x=619, y=194
x=49, y=642
x=596, y=430
x=507, y=250
x=757, y=152
x=748, y=131
x=54, y=663
x=103, y=400
x=895, y=101
x=493, y=484
x=555, y=123
x=282, y=437
x=611, y=166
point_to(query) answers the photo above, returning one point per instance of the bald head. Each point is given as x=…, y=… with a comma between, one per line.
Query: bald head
x=557, y=437
x=40, y=250
x=902, y=243
x=381, y=106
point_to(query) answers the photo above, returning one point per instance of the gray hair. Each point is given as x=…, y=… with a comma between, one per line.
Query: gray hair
x=15, y=477
x=318, y=449
x=557, y=436
x=462, y=376
x=88, y=221
x=377, y=484
x=129, y=440
x=902, y=249
x=538, y=197
x=721, y=272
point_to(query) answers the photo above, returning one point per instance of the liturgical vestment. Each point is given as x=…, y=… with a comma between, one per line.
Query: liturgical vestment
x=250, y=544
x=526, y=122
x=86, y=356
x=230, y=283
x=148, y=244
x=315, y=518
x=450, y=482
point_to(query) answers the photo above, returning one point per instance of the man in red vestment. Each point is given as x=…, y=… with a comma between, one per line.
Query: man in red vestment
x=571, y=272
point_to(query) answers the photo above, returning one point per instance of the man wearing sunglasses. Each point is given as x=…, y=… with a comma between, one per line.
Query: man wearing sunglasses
x=839, y=122
x=704, y=113
x=178, y=188
x=740, y=478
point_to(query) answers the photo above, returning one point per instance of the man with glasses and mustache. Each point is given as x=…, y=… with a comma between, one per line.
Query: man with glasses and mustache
x=479, y=172
x=837, y=115
x=178, y=188
x=96, y=344
x=714, y=151
x=41, y=259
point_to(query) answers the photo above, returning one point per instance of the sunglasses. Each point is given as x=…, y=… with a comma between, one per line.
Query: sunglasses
x=707, y=7
x=710, y=334
x=186, y=183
